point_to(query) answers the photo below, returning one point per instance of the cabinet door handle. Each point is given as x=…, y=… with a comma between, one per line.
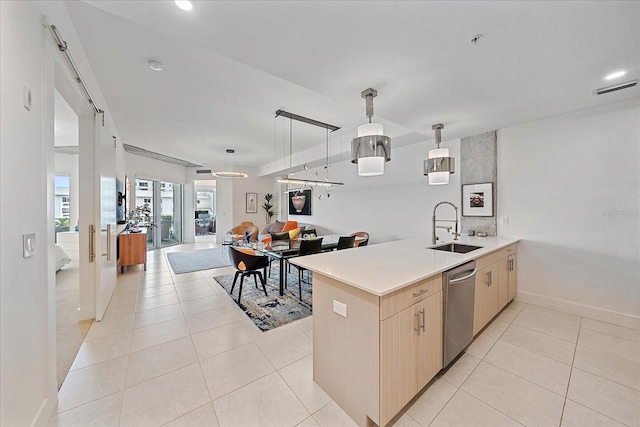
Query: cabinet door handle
x=418, y=322
x=489, y=278
x=510, y=264
x=422, y=315
x=422, y=292
x=92, y=249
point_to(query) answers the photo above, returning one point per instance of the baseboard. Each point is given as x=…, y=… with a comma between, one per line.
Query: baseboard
x=86, y=314
x=601, y=314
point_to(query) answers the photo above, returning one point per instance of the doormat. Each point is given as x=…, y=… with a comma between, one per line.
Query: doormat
x=203, y=259
x=269, y=312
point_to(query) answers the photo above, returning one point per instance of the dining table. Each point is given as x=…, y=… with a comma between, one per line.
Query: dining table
x=282, y=250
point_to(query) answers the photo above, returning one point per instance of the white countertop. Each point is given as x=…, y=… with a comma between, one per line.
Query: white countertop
x=386, y=267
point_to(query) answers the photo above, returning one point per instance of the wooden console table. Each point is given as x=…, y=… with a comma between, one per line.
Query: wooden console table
x=132, y=249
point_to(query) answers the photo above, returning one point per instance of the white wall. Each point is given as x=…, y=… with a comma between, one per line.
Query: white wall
x=24, y=344
x=396, y=205
x=570, y=186
x=241, y=187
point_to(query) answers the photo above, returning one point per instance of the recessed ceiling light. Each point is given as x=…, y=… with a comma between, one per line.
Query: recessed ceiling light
x=184, y=4
x=476, y=39
x=615, y=75
x=156, y=66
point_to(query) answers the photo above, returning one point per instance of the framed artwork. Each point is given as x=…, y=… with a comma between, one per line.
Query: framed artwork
x=477, y=199
x=300, y=202
x=252, y=202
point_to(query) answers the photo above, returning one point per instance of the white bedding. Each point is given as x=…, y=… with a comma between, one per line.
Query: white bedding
x=62, y=258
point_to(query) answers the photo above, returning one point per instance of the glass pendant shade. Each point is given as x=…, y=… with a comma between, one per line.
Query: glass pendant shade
x=439, y=165
x=370, y=166
x=438, y=178
x=371, y=149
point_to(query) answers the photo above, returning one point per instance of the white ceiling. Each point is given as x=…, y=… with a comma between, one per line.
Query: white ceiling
x=229, y=65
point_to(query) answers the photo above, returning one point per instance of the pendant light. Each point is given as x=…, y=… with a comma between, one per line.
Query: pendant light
x=370, y=150
x=231, y=171
x=439, y=165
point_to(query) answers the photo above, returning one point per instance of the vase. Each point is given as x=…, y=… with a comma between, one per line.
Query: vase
x=298, y=202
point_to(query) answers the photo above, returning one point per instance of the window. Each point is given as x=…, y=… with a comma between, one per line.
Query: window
x=143, y=185
x=146, y=200
x=65, y=199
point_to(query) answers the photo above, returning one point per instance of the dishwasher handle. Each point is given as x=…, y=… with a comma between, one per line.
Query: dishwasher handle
x=460, y=279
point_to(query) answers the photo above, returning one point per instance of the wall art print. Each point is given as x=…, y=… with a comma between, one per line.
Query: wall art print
x=300, y=202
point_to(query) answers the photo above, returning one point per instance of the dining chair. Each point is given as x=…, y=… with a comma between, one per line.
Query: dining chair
x=282, y=237
x=362, y=234
x=346, y=242
x=307, y=247
x=248, y=264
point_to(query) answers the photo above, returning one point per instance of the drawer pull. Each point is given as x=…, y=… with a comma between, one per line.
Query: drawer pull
x=422, y=292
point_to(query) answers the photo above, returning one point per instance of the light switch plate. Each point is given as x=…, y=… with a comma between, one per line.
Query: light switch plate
x=504, y=220
x=340, y=308
x=29, y=245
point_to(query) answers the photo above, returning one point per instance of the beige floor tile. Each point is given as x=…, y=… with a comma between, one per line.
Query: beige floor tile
x=431, y=402
x=120, y=310
x=158, y=301
x=102, y=349
x=481, y=345
x=299, y=376
x=465, y=410
x=306, y=325
x=610, y=344
x=309, y=422
x=103, y=412
x=187, y=277
x=156, y=281
x=218, y=340
x=548, y=325
x=496, y=328
x=157, y=315
x=153, y=362
x=403, y=420
x=527, y=403
x=165, y=398
x=576, y=415
x=158, y=333
x=234, y=369
x=285, y=347
x=615, y=368
x=517, y=305
x=332, y=415
x=543, y=344
x=204, y=416
x=193, y=284
x=508, y=315
x=265, y=402
x=203, y=304
x=91, y=383
x=110, y=326
x=538, y=369
x=159, y=274
x=209, y=319
x=155, y=291
x=606, y=397
x=572, y=319
x=609, y=329
x=458, y=373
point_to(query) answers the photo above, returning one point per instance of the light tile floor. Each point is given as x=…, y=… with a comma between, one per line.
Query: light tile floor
x=177, y=351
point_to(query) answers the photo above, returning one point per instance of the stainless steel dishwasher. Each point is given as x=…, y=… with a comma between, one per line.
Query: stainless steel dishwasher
x=459, y=292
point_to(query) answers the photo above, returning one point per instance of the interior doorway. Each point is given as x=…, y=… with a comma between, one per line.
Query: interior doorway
x=205, y=210
x=70, y=331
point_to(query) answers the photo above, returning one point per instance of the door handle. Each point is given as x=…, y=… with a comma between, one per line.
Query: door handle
x=108, y=254
x=510, y=264
x=489, y=278
x=422, y=292
x=460, y=279
x=92, y=240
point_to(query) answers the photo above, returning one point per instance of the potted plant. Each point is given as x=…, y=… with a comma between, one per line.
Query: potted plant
x=268, y=207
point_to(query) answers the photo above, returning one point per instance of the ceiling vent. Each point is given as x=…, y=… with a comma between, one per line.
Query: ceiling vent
x=208, y=171
x=614, y=88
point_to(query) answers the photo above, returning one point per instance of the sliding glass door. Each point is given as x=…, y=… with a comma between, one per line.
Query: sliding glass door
x=161, y=202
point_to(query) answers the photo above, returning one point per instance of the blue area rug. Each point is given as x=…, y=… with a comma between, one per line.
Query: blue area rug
x=271, y=311
x=203, y=259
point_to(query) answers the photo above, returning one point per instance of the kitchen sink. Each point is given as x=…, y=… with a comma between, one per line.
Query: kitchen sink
x=458, y=248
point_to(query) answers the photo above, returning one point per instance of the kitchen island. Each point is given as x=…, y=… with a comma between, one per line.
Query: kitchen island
x=377, y=327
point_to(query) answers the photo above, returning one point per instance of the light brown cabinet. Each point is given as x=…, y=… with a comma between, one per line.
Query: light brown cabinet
x=376, y=359
x=496, y=285
x=132, y=249
x=410, y=353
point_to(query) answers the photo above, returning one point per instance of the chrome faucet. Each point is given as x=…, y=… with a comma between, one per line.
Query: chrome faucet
x=434, y=238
